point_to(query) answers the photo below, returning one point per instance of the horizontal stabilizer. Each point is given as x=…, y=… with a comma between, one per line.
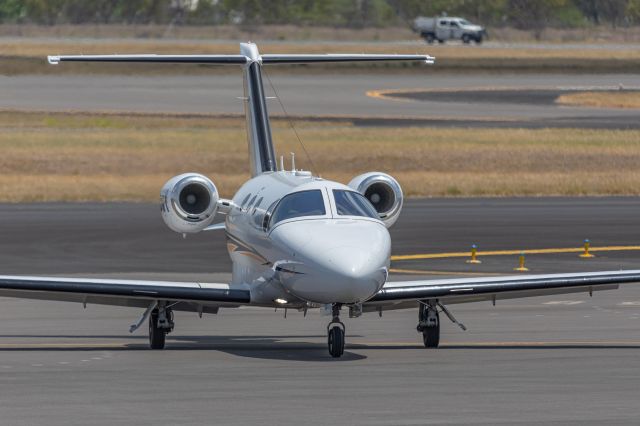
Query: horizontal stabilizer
x=306, y=59
x=238, y=59
x=176, y=59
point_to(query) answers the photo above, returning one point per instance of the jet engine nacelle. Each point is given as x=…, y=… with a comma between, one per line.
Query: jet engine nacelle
x=383, y=192
x=189, y=202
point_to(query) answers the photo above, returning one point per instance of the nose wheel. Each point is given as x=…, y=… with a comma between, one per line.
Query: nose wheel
x=335, y=334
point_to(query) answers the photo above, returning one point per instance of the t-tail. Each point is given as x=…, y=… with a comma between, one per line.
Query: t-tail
x=261, y=151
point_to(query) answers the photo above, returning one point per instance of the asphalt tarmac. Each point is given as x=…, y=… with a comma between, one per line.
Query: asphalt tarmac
x=333, y=95
x=568, y=359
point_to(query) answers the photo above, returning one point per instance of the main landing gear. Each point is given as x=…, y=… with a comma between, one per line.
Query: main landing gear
x=429, y=322
x=335, y=332
x=160, y=324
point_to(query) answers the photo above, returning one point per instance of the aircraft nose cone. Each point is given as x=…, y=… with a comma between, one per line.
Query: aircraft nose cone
x=360, y=271
x=339, y=261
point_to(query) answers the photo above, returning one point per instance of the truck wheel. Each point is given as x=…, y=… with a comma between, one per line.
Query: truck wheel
x=466, y=39
x=430, y=38
x=440, y=41
x=479, y=40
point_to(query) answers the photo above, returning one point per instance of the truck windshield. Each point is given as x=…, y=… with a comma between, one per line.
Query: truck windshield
x=464, y=22
x=351, y=203
x=298, y=204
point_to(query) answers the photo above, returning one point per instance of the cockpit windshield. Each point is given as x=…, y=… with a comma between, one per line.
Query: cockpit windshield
x=351, y=203
x=298, y=204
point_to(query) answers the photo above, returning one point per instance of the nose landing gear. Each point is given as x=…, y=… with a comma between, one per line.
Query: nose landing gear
x=335, y=332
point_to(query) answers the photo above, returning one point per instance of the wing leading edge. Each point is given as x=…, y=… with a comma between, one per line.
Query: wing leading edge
x=122, y=292
x=463, y=290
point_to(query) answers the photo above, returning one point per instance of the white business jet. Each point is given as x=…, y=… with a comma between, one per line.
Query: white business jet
x=296, y=241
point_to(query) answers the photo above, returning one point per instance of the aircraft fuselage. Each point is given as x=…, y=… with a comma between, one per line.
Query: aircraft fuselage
x=291, y=237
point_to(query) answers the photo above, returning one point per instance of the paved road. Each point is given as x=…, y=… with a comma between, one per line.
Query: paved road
x=567, y=359
x=324, y=94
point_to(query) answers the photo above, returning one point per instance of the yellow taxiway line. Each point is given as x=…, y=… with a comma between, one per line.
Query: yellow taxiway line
x=425, y=272
x=512, y=252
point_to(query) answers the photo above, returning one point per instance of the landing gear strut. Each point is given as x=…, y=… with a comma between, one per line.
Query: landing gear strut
x=335, y=331
x=429, y=323
x=160, y=324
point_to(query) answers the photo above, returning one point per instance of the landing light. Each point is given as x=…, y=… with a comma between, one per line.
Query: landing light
x=281, y=301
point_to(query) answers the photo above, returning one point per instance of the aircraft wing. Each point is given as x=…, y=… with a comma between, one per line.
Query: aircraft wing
x=190, y=296
x=401, y=294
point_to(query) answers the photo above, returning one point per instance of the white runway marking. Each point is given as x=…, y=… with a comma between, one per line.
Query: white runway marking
x=564, y=302
x=633, y=303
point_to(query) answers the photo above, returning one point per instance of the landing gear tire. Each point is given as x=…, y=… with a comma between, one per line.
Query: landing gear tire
x=335, y=333
x=431, y=337
x=429, y=324
x=156, y=334
x=336, y=341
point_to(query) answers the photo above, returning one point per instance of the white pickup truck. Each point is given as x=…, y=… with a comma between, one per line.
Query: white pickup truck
x=448, y=28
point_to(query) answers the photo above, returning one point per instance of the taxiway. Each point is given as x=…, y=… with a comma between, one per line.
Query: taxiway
x=567, y=359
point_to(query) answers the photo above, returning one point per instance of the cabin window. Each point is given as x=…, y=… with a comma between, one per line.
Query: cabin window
x=251, y=202
x=351, y=203
x=244, y=202
x=257, y=204
x=298, y=204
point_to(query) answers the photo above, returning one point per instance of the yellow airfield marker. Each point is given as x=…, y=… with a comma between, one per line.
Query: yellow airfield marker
x=586, y=253
x=474, y=255
x=512, y=252
x=521, y=267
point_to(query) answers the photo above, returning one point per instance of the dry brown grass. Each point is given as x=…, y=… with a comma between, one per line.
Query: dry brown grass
x=601, y=99
x=47, y=157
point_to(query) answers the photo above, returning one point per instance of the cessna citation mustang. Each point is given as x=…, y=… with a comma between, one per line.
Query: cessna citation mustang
x=296, y=241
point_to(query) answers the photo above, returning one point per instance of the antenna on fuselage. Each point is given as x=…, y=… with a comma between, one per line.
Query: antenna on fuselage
x=293, y=162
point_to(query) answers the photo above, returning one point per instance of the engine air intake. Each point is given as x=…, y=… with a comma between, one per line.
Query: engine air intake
x=194, y=198
x=383, y=192
x=189, y=202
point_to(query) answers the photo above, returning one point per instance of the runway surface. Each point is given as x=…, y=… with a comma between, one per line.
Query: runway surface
x=562, y=359
x=307, y=94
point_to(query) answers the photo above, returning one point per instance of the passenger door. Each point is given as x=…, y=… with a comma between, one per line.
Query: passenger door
x=456, y=31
